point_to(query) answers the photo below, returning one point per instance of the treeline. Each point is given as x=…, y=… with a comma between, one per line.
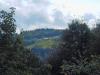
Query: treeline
x=77, y=54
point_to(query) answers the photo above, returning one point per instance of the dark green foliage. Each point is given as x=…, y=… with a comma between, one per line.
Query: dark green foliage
x=75, y=41
x=7, y=27
x=83, y=67
x=7, y=30
x=15, y=59
x=95, y=43
x=75, y=51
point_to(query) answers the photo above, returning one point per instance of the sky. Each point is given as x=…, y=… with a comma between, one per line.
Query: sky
x=34, y=14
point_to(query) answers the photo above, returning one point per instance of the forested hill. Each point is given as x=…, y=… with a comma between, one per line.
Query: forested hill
x=33, y=35
x=42, y=41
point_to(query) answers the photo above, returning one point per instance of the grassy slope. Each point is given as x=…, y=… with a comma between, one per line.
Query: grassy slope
x=44, y=43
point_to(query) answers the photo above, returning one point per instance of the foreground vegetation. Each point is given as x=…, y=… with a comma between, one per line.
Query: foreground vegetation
x=78, y=52
x=15, y=59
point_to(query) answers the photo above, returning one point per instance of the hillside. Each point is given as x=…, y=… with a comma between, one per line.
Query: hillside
x=42, y=41
x=34, y=35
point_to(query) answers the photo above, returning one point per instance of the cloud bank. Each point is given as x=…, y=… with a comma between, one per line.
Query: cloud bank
x=33, y=14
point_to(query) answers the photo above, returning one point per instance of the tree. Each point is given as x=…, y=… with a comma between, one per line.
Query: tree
x=74, y=45
x=83, y=67
x=15, y=59
x=7, y=27
x=7, y=32
x=76, y=40
x=96, y=40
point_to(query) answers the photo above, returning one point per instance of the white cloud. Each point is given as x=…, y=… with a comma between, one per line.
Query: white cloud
x=76, y=7
x=92, y=23
x=32, y=14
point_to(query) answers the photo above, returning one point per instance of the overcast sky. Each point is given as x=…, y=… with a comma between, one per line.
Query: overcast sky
x=33, y=14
